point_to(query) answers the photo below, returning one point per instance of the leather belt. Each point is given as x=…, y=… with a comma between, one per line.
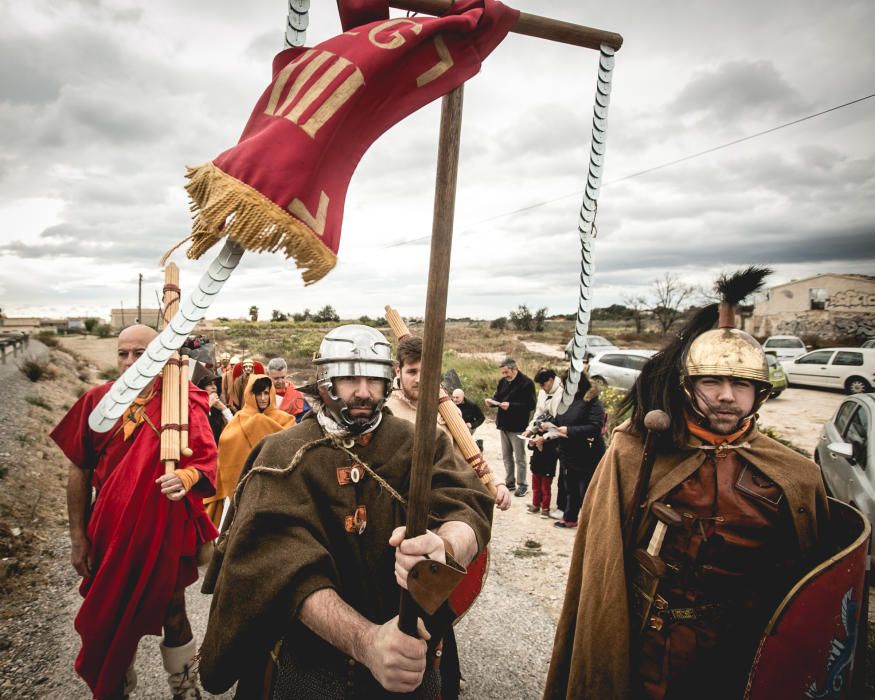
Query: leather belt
x=709, y=613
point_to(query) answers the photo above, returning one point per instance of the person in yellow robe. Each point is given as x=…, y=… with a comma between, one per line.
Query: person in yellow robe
x=258, y=417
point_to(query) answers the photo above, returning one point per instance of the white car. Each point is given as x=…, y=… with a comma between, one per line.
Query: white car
x=594, y=345
x=784, y=347
x=618, y=368
x=851, y=369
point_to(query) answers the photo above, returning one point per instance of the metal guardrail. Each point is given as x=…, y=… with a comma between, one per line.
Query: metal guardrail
x=13, y=343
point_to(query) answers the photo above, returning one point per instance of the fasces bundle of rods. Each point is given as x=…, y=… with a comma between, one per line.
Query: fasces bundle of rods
x=174, y=386
x=450, y=414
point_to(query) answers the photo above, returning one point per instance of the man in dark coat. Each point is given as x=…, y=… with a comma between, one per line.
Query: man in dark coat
x=307, y=572
x=514, y=398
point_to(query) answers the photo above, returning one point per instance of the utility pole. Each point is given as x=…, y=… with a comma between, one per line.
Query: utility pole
x=140, y=300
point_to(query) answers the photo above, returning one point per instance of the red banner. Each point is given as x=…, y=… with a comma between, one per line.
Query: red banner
x=283, y=186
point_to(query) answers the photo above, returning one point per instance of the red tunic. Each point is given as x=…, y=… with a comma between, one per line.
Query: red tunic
x=143, y=545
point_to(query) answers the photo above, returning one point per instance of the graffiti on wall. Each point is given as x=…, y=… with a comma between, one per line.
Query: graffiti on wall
x=852, y=299
x=850, y=324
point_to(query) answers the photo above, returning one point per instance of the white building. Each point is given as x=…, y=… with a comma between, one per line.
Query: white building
x=828, y=306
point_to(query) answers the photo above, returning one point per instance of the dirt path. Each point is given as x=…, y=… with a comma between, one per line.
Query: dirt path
x=798, y=414
x=101, y=352
x=545, y=349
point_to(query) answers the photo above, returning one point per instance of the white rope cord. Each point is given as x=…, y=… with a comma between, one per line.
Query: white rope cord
x=586, y=222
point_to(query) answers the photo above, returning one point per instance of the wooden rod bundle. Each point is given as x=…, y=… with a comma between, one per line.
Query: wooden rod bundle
x=453, y=419
x=184, y=449
x=171, y=384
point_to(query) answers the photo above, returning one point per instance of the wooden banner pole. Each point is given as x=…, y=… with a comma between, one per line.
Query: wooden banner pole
x=530, y=25
x=433, y=331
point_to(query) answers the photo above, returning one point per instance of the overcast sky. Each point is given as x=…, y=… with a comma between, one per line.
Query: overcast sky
x=103, y=104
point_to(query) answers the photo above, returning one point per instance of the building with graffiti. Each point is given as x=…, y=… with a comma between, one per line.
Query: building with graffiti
x=828, y=306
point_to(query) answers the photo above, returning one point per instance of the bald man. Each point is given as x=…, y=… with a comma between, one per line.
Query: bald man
x=135, y=541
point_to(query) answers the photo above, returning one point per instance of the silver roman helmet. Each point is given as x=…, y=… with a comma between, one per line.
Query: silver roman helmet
x=352, y=351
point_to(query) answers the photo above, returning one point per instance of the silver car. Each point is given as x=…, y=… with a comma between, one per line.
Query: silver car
x=846, y=453
x=784, y=347
x=594, y=345
x=618, y=368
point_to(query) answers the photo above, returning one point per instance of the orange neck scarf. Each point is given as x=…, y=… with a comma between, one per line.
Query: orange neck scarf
x=136, y=413
x=714, y=438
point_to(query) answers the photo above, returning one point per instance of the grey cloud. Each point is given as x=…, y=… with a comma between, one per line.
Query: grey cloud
x=547, y=130
x=114, y=115
x=736, y=90
x=263, y=47
x=25, y=76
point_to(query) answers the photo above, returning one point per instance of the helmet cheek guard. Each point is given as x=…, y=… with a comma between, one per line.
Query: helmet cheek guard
x=352, y=351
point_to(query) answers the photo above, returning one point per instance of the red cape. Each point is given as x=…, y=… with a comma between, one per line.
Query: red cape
x=143, y=546
x=293, y=401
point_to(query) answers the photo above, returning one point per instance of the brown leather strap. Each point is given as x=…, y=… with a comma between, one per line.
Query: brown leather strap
x=430, y=582
x=350, y=475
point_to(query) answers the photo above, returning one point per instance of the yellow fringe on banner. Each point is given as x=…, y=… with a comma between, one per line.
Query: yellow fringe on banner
x=225, y=206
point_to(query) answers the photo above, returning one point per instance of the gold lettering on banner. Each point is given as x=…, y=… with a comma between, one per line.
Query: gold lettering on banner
x=397, y=38
x=302, y=78
x=334, y=102
x=316, y=89
x=439, y=68
x=326, y=67
x=317, y=223
x=282, y=78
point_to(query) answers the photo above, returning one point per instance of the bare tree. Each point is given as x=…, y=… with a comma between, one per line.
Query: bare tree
x=669, y=294
x=637, y=306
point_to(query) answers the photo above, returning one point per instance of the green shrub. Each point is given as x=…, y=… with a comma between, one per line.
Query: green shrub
x=48, y=339
x=522, y=318
x=499, y=323
x=611, y=397
x=104, y=330
x=109, y=373
x=36, y=368
x=775, y=436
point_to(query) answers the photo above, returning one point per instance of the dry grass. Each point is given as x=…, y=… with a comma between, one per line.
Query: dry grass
x=37, y=368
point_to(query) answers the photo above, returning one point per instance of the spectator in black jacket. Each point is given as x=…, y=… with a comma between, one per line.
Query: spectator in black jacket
x=471, y=413
x=515, y=400
x=581, y=446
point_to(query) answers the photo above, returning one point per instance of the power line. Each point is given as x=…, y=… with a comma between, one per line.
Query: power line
x=646, y=171
x=738, y=141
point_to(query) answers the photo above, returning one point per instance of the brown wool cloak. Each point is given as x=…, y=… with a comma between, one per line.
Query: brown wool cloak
x=286, y=540
x=591, y=651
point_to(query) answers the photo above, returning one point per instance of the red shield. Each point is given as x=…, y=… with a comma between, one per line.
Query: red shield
x=807, y=650
x=464, y=594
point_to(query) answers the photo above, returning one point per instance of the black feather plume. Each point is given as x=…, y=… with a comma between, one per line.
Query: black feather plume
x=743, y=283
x=658, y=385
